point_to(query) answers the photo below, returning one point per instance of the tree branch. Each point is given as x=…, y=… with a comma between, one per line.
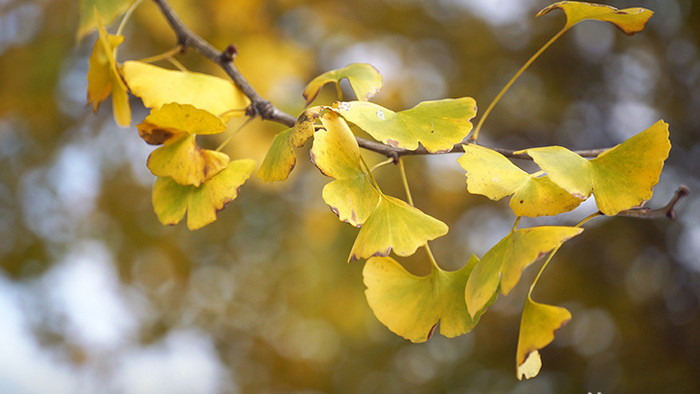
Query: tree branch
x=267, y=111
x=668, y=211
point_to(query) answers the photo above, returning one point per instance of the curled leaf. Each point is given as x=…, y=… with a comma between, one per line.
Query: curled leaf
x=504, y=263
x=491, y=174
x=411, y=306
x=537, y=327
x=304, y=127
x=395, y=225
x=104, y=77
x=619, y=178
x=176, y=126
x=629, y=20
x=171, y=200
x=335, y=152
x=280, y=159
x=364, y=80
x=438, y=125
x=216, y=95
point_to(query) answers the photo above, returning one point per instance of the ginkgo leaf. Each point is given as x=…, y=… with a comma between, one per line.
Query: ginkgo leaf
x=280, y=159
x=619, y=178
x=505, y=262
x=336, y=154
x=107, y=9
x=491, y=174
x=171, y=200
x=411, y=306
x=364, y=80
x=537, y=327
x=395, y=225
x=629, y=20
x=158, y=86
x=186, y=163
x=437, y=125
x=104, y=78
x=304, y=127
x=173, y=119
x=176, y=125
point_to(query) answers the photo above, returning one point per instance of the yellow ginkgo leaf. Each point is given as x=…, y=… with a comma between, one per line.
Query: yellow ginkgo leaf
x=437, y=125
x=619, y=178
x=335, y=152
x=104, y=78
x=280, y=159
x=505, y=262
x=537, y=327
x=395, y=225
x=364, y=80
x=176, y=126
x=411, y=306
x=171, y=200
x=304, y=127
x=491, y=174
x=186, y=163
x=158, y=86
x=629, y=20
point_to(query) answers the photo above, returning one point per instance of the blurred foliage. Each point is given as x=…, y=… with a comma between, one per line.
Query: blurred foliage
x=267, y=285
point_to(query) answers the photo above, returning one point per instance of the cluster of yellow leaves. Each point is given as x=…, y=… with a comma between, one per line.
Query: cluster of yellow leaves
x=184, y=104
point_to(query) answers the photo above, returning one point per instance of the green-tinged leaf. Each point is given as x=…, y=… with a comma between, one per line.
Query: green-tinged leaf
x=174, y=119
x=107, y=9
x=186, y=163
x=304, y=127
x=505, y=262
x=629, y=20
x=364, y=80
x=491, y=174
x=280, y=159
x=395, y=225
x=104, y=78
x=335, y=152
x=158, y=86
x=619, y=178
x=411, y=306
x=171, y=200
x=437, y=125
x=537, y=327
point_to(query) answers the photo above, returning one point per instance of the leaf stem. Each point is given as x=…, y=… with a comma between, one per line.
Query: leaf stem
x=404, y=180
x=369, y=173
x=507, y=86
x=228, y=139
x=126, y=17
x=165, y=55
x=339, y=91
x=381, y=164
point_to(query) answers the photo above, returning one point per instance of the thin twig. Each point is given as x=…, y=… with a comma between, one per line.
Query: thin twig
x=668, y=211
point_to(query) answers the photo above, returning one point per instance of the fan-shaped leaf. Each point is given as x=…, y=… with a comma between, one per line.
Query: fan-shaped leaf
x=335, y=152
x=491, y=174
x=629, y=20
x=104, y=78
x=171, y=200
x=505, y=262
x=437, y=125
x=620, y=178
x=412, y=306
x=537, y=327
x=174, y=119
x=158, y=86
x=395, y=225
x=364, y=79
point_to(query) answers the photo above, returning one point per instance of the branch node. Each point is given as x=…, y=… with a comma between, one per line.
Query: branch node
x=229, y=53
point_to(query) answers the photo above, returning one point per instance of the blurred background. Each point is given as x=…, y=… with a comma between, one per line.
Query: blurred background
x=97, y=296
